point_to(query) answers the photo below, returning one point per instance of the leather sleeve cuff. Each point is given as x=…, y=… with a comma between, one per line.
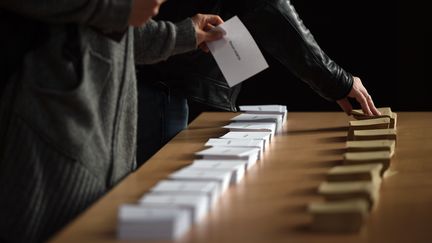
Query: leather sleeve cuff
x=346, y=84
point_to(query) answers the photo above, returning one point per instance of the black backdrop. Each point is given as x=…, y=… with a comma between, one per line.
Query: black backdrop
x=386, y=43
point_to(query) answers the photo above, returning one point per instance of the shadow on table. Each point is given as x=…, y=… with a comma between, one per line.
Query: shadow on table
x=317, y=130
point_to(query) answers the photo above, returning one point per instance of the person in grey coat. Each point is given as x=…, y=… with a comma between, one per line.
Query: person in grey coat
x=68, y=108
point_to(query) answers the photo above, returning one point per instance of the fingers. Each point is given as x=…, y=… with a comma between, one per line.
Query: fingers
x=361, y=98
x=205, y=29
x=214, y=20
x=203, y=47
x=156, y=6
x=359, y=92
x=371, y=104
x=201, y=21
x=345, y=105
x=213, y=34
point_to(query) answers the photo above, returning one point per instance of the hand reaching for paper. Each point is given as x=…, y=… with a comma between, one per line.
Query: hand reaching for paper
x=205, y=29
x=359, y=92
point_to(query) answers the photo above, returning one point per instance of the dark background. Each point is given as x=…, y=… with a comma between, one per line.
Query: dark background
x=385, y=43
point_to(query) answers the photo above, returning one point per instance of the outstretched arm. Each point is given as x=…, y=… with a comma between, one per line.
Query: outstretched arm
x=158, y=40
x=294, y=46
x=359, y=92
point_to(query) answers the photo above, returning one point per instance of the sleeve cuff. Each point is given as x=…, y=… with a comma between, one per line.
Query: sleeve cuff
x=186, y=36
x=346, y=87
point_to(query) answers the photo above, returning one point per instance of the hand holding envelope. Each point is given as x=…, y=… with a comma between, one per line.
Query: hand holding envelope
x=205, y=30
x=237, y=54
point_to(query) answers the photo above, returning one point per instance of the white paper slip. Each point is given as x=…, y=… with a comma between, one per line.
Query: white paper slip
x=266, y=136
x=218, y=153
x=221, y=177
x=237, y=54
x=237, y=169
x=207, y=188
x=138, y=223
x=243, y=143
x=252, y=127
x=224, y=161
x=248, y=143
x=196, y=204
x=246, y=117
x=265, y=109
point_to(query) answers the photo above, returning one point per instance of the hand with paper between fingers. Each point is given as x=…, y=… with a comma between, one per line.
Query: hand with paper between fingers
x=359, y=92
x=205, y=29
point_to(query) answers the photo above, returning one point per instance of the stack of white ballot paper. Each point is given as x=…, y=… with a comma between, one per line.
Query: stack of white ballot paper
x=207, y=188
x=169, y=208
x=266, y=136
x=242, y=143
x=273, y=118
x=139, y=223
x=218, y=153
x=197, y=205
x=265, y=109
x=252, y=127
x=237, y=169
x=221, y=177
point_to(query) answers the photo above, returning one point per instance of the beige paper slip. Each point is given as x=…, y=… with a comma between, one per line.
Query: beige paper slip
x=359, y=114
x=358, y=158
x=341, y=217
x=335, y=191
x=375, y=134
x=365, y=172
x=371, y=146
x=378, y=123
x=385, y=112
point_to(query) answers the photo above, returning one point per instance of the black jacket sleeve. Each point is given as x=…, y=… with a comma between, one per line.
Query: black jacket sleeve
x=280, y=31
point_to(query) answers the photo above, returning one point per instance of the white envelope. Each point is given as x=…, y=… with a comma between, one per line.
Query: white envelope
x=247, y=117
x=196, y=204
x=266, y=136
x=242, y=143
x=207, y=188
x=264, y=109
x=237, y=54
x=237, y=169
x=252, y=127
x=138, y=223
x=221, y=177
x=219, y=153
x=224, y=161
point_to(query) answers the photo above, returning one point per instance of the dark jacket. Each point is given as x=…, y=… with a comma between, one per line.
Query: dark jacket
x=196, y=75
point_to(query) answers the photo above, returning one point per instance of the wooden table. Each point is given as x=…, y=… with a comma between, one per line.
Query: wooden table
x=269, y=205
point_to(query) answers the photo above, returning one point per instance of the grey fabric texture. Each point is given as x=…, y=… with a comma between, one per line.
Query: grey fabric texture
x=68, y=114
x=106, y=15
x=177, y=40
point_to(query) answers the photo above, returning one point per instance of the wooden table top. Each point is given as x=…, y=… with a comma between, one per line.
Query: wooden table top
x=269, y=205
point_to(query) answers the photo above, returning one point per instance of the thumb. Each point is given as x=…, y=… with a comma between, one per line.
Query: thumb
x=213, y=34
x=345, y=105
x=213, y=19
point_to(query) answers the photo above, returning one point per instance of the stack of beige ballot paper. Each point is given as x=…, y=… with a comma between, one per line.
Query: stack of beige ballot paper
x=173, y=205
x=351, y=190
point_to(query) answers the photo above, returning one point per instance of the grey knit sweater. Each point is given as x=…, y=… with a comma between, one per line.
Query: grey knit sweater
x=68, y=113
